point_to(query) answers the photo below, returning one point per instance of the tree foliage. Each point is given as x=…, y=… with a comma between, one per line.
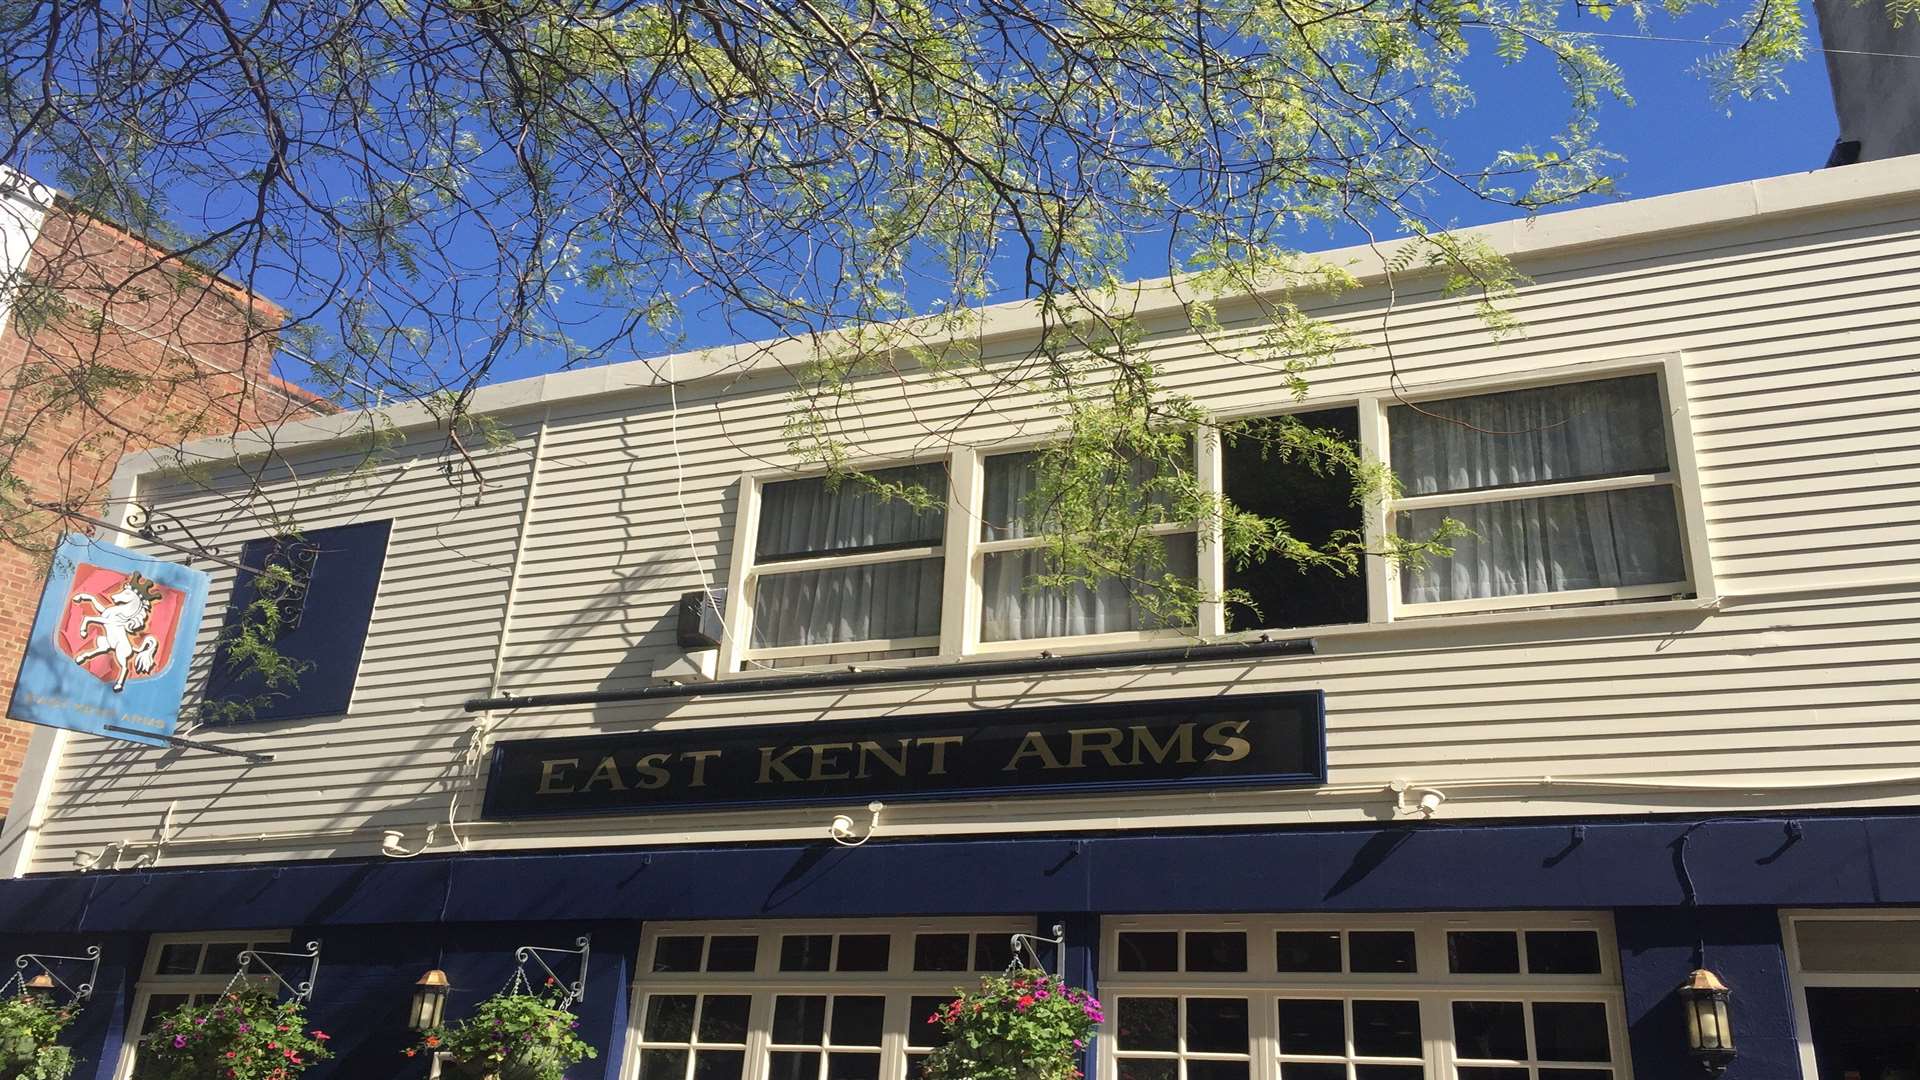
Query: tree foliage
x=436, y=188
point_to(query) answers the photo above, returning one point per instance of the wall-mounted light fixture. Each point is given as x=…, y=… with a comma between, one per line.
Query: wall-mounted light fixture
x=40, y=985
x=429, y=1005
x=846, y=833
x=1709, y=1027
x=45, y=982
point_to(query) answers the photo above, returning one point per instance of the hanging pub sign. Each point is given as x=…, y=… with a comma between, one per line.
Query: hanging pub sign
x=1245, y=740
x=110, y=644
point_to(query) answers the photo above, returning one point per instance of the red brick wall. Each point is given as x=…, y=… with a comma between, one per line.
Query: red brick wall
x=203, y=367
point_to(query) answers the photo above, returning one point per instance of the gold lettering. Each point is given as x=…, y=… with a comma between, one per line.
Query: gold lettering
x=550, y=776
x=820, y=758
x=1034, y=745
x=608, y=772
x=1225, y=735
x=1080, y=740
x=940, y=744
x=769, y=763
x=652, y=776
x=699, y=759
x=1182, y=737
x=897, y=764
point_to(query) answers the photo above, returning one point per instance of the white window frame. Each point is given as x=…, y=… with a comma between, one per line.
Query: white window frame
x=964, y=551
x=1798, y=980
x=151, y=983
x=899, y=984
x=1432, y=986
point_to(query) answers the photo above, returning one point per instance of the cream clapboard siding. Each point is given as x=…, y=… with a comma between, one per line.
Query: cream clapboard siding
x=1799, y=686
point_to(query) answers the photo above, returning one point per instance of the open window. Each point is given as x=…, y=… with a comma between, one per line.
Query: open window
x=1280, y=593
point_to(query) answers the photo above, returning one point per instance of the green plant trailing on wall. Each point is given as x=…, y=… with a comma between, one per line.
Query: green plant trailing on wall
x=1025, y=1025
x=246, y=1034
x=516, y=1034
x=30, y=1028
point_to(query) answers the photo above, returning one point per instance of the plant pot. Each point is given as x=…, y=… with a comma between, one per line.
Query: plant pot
x=532, y=1063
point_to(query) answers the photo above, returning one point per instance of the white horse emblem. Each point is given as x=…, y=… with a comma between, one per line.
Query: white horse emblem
x=122, y=622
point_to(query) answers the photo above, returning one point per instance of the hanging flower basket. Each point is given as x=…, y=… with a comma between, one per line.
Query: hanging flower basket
x=1025, y=1025
x=516, y=1034
x=30, y=1027
x=245, y=1034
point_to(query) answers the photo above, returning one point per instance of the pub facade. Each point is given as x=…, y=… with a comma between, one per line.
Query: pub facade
x=771, y=764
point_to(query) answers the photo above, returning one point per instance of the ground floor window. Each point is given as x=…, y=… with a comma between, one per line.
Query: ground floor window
x=1507, y=997
x=802, y=1001
x=183, y=969
x=1856, y=978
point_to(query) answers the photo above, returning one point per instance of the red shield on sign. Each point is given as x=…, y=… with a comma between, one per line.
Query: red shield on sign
x=119, y=626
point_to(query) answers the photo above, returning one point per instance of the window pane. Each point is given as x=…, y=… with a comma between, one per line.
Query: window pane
x=1308, y=950
x=669, y=1018
x=1217, y=951
x=179, y=959
x=1386, y=1028
x=1855, y=944
x=850, y=603
x=1541, y=435
x=1313, y=1027
x=799, y=1019
x=1868, y=1032
x=1489, y=1029
x=1483, y=952
x=805, y=952
x=793, y=1065
x=806, y=517
x=922, y=1028
x=1591, y=540
x=844, y=1066
x=992, y=952
x=1576, y=1074
x=857, y=1021
x=663, y=1065
x=863, y=952
x=223, y=958
x=1218, y=1070
x=734, y=952
x=677, y=953
x=1389, y=1072
x=723, y=1018
x=1487, y=1073
x=1570, y=1031
x=1563, y=952
x=1150, y=952
x=1011, y=511
x=1217, y=1025
x=940, y=952
x=1016, y=611
x=1148, y=1024
x=719, y=1064
x=1311, y=1070
x=1260, y=480
x=159, y=1005
x=1150, y=1069
x=1376, y=951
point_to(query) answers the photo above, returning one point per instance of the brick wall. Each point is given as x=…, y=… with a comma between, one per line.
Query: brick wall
x=201, y=351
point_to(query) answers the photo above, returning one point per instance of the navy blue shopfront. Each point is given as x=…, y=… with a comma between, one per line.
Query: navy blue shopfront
x=1675, y=887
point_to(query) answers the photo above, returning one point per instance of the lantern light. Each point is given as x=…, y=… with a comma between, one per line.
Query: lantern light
x=41, y=985
x=429, y=1001
x=1709, y=1027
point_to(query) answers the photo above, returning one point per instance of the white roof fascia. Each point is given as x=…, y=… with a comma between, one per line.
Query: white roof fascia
x=1748, y=201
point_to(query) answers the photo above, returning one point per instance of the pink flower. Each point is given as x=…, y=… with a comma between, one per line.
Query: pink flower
x=179, y=1041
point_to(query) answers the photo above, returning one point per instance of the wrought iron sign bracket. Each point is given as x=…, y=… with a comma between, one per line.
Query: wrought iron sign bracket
x=302, y=990
x=583, y=948
x=78, y=993
x=1026, y=945
x=140, y=523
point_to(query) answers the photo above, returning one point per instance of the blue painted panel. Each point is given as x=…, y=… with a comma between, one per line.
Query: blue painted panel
x=333, y=625
x=1741, y=945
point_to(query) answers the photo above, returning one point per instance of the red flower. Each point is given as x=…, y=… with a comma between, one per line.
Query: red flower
x=321, y=1036
x=1025, y=1000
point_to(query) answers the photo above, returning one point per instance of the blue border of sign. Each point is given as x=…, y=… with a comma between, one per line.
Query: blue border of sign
x=1310, y=705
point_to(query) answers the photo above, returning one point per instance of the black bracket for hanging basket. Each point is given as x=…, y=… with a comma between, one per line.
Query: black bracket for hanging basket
x=1025, y=943
x=75, y=993
x=583, y=948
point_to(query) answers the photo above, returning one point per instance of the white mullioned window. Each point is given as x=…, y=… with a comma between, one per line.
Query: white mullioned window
x=1855, y=976
x=182, y=969
x=1415, y=997
x=837, y=1000
x=1577, y=485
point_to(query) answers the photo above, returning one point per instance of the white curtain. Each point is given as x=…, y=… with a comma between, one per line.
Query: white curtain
x=1016, y=611
x=1581, y=431
x=802, y=518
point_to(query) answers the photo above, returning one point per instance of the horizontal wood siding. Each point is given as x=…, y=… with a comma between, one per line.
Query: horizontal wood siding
x=1799, y=687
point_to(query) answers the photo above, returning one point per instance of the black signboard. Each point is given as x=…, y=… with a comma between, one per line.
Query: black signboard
x=1253, y=739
